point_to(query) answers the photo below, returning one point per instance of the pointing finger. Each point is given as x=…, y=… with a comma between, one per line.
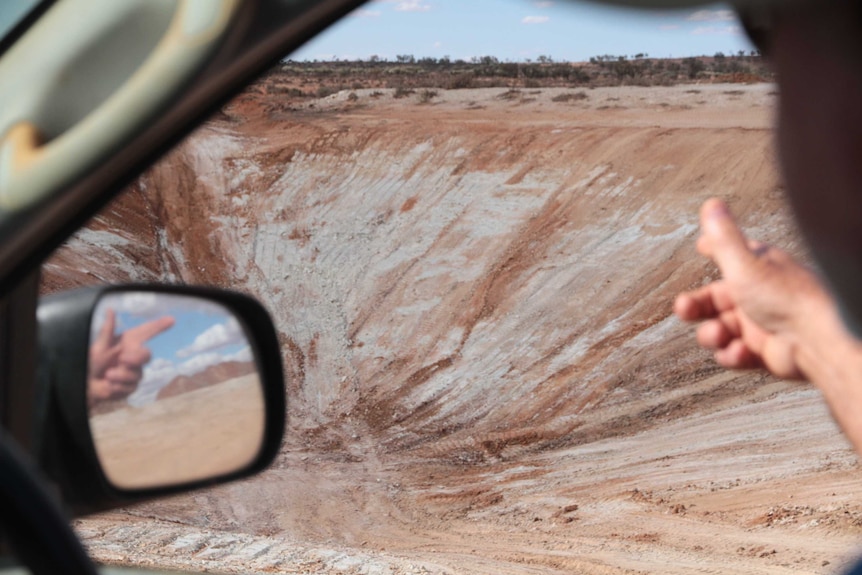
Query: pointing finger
x=149, y=330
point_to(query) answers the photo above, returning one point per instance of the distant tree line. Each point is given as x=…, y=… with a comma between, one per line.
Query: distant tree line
x=319, y=78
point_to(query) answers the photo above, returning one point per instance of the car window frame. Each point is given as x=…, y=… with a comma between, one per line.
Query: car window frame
x=271, y=30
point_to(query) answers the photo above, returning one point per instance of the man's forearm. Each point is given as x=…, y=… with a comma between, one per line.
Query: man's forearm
x=831, y=358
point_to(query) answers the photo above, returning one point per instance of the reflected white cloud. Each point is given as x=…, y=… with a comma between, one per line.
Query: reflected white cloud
x=217, y=336
x=244, y=354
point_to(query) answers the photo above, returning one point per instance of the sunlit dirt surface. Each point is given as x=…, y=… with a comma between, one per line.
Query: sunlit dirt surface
x=474, y=300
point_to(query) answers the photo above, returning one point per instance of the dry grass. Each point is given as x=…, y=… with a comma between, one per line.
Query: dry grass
x=570, y=97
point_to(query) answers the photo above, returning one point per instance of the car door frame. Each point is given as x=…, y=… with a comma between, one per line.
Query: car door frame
x=270, y=30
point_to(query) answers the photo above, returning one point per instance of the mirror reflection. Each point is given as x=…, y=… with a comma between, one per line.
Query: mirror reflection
x=173, y=390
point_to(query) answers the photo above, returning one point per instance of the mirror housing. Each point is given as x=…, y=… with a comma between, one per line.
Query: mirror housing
x=76, y=434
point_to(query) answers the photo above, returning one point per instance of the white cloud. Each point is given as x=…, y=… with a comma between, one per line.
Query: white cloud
x=243, y=355
x=712, y=16
x=412, y=6
x=535, y=20
x=542, y=4
x=366, y=13
x=438, y=44
x=160, y=366
x=717, y=31
x=219, y=335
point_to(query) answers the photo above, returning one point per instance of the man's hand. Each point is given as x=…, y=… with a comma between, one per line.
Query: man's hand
x=769, y=312
x=759, y=314
x=117, y=361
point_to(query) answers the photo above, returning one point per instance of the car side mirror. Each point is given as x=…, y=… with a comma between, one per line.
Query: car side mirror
x=148, y=390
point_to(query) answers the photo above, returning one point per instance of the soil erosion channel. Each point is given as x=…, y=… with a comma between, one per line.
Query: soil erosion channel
x=474, y=299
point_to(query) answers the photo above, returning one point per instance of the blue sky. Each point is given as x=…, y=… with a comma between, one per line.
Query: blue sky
x=517, y=30
x=12, y=11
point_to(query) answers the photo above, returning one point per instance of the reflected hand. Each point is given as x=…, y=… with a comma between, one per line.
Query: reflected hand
x=757, y=315
x=117, y=361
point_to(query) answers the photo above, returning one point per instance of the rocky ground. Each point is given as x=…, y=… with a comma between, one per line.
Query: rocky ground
x=473, y=291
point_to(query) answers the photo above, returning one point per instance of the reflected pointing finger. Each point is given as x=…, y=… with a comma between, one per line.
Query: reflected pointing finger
x=137, y=355
x=149, y=330
x=101, y=359
x=124, y=374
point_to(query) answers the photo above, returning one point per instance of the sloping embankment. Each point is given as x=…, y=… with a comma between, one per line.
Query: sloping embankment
x=452, y=276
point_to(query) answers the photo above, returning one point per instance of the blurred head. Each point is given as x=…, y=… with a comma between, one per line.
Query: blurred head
x=817, y=53
x=816, y=49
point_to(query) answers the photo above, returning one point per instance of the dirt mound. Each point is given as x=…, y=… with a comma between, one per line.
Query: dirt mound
x=474, y=300
x=212, y=375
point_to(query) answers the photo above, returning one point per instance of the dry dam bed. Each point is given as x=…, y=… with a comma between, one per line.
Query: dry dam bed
x=484, y=376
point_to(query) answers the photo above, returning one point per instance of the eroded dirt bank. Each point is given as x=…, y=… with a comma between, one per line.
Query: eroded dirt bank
x=484, y=376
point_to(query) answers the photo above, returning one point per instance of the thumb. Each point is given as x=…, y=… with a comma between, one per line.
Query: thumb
x=722, y=240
